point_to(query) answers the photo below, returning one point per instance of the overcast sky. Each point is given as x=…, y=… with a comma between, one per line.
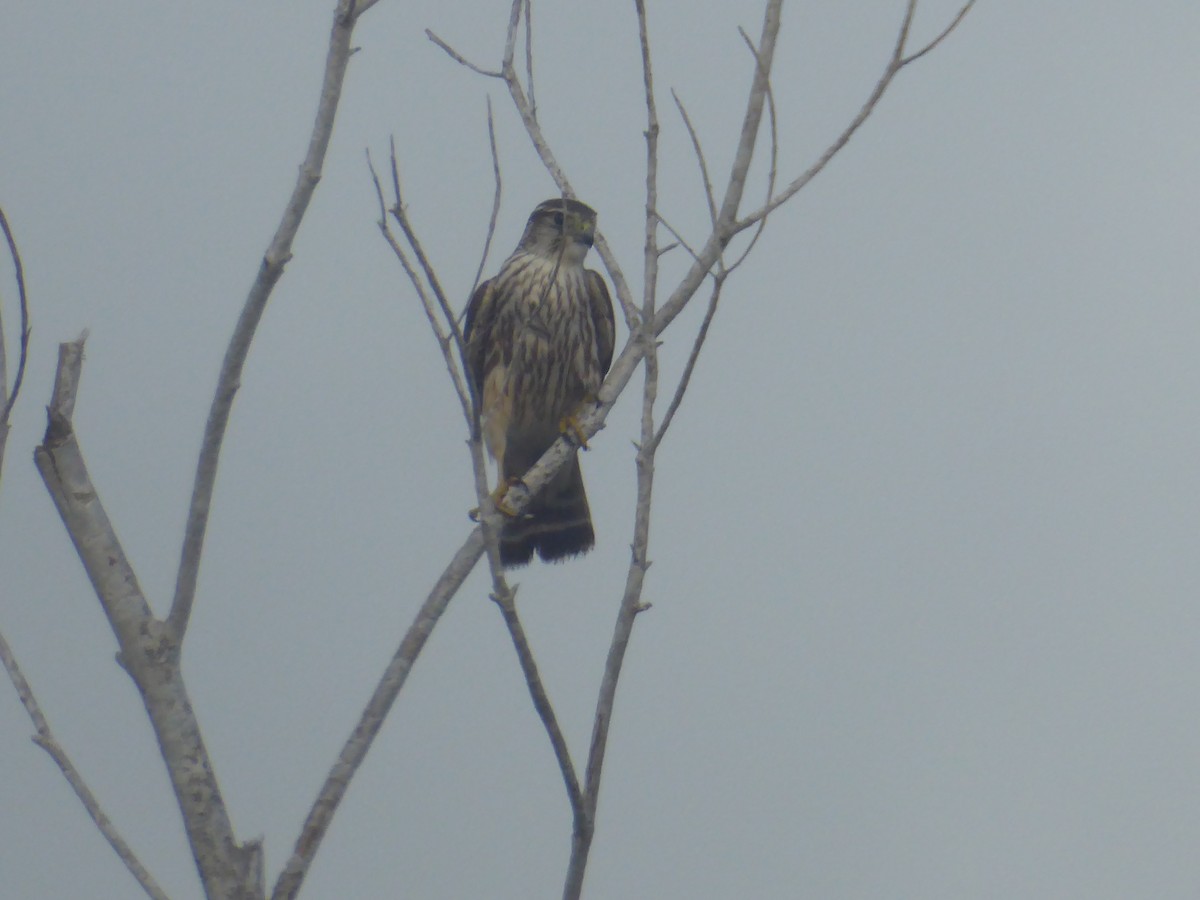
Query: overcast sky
x=925, y=582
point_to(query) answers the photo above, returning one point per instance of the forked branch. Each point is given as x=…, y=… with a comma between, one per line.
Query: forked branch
x=148, y=650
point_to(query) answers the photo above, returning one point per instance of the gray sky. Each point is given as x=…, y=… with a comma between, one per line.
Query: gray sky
x=925, y=588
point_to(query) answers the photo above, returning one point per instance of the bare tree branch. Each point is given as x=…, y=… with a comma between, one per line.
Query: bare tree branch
x=529, y=57
x=773, y=170
x=269, y=273
x=149, y=649
x=680, y=240
x=631, y=605
x=45, y=739
x=459, y=58
x=691, y=130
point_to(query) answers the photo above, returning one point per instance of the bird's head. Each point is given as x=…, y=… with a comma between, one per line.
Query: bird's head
x=560, y=226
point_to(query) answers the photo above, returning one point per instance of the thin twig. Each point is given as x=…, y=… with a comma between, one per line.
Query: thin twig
x=278, y=253
x=45, y=739
x=529, y=57
x=691, y=130
x=487, y=242
x=427, y=303
x=459, y=58
x=400, y=213
x=679, y=239
x=23, y=347
x=149, y=651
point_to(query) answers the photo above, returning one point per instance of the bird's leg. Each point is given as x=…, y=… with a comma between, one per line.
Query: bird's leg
x=497, y=498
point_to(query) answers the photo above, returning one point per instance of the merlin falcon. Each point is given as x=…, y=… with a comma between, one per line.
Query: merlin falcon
x=539, y=341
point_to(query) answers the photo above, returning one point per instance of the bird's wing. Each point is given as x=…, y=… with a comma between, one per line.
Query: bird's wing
x=602, y=319
x=477, y=332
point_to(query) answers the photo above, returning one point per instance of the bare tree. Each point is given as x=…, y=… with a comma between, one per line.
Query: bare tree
x=151, y=647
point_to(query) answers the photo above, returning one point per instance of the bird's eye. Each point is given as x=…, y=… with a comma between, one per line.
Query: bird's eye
x=558, y=220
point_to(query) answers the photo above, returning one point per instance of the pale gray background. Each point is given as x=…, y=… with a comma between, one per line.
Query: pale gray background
x=925, y=613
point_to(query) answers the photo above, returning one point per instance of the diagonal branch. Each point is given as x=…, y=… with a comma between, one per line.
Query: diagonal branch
x=686, y=378
x=269, y=273
x=507, y=601
x=45, y=739
x=459, y=58
x=945, y=33
x=528, y=15
x=355, y=749
x=399, y=212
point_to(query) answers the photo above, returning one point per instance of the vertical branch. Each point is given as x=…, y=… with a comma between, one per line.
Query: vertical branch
x=754, y=110
x=631, y=604
x=149, y=650
x=269, y=273
x=529, y=57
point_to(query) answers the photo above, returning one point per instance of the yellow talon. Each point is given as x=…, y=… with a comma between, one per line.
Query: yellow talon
x=570, y=428
x=497, y=498
x=498, y=495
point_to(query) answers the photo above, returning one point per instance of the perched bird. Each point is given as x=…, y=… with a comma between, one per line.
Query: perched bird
x=539, y=342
